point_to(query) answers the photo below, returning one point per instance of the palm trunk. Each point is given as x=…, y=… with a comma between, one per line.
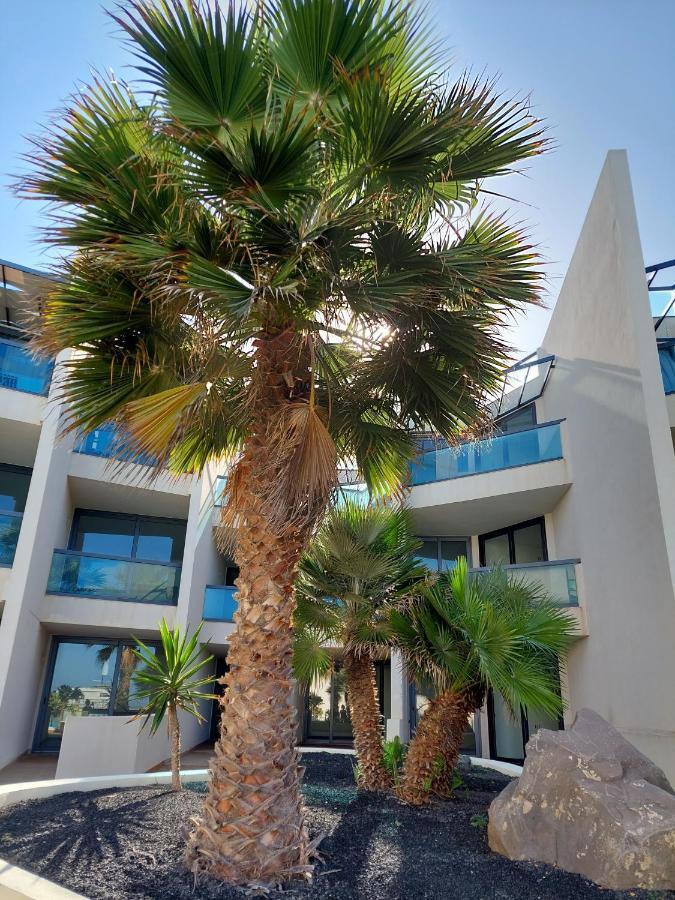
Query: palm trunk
x=174, y=744
x=252, y=828
x=365, y=713
x=434, y=751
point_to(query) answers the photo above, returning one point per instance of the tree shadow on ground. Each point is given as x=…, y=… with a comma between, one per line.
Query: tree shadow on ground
x=78, y=828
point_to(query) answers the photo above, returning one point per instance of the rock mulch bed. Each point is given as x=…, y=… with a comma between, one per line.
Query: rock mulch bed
x=126, y=844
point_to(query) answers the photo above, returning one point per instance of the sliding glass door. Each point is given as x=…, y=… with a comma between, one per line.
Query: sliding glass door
x=327, y=710
x=85, y=678
x=523, y=543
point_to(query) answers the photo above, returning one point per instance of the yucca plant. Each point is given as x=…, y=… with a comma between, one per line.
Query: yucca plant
x=465, y=634
x=169, y=683
x=360, y=563
x=276, y=252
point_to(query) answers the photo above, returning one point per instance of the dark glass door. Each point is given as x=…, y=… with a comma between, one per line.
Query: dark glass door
x=85, y=678
x=327, y=710
x=523, y=543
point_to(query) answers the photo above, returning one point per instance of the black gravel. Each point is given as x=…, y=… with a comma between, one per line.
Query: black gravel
x=119, y=844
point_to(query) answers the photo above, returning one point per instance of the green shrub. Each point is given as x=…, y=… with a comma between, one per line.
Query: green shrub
x=393, y=755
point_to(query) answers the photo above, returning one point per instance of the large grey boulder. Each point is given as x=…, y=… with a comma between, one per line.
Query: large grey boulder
x=591, y=803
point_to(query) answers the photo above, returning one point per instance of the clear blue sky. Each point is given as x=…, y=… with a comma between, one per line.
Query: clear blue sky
x=599, y=71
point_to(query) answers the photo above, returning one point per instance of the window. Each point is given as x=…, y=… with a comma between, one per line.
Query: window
x=129, y=537
x=14, y=484
x=441, y=554
x=86, y=678
x=525, y=417
x=523, y=543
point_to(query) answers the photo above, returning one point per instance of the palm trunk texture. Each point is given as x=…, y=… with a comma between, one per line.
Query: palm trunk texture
x=252, y=827
x=366, y=723
x=174, y=743
x=434, y=751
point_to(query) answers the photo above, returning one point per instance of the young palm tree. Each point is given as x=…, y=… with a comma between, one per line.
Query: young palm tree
x=359, y=564
x=468, y=633
x=272, y=257
x=168, y=684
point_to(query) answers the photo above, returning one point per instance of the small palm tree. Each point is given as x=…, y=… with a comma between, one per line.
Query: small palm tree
x=168, y=683
x=465, y=634
x=280, y=255
x=359, y=564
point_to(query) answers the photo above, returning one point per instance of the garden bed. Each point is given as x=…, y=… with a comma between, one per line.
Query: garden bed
x=126, y=843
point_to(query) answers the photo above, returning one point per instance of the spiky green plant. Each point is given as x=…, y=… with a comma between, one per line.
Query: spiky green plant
x=278, y=253
x=465, y=634
x=361, y=562
x=169, y=683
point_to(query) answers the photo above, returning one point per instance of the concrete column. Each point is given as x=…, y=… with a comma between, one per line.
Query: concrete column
x=475, y=551
x=398, y=725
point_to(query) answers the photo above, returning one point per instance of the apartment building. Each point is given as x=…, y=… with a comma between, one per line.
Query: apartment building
x=574, y=489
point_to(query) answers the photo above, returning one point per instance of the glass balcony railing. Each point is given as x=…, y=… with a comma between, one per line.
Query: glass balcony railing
x=110, y=578
x=20, y=370
x=10, y=526
x=557, y=578
x=219, y=603
x=103, y=442
x=541, y=443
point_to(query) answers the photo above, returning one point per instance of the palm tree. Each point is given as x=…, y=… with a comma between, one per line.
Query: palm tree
x=168, y=684
x=468, y=633
x=360, y=562
x=279, y=254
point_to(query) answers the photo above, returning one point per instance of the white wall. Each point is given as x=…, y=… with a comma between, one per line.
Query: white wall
x=618, y=514
x=23, y=641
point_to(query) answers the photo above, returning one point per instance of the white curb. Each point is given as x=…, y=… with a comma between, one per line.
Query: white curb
x=505, y=768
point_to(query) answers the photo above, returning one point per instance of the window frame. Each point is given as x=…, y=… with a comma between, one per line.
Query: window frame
x=53, y=745
x=16, y=470
x=438, y=539
x=137, y=519
x=509, y=531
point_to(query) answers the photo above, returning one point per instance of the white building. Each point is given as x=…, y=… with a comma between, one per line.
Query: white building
x=575, y=489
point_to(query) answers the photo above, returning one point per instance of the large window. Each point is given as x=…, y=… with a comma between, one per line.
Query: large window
x=518, y=544
x=520, y=419
x=523, y=543
x=130, y=537
x=85, y=678
x=14, y=484
x=441, y=554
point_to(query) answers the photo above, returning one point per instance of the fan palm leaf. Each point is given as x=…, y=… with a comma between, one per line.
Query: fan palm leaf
x=360, y=565
x=468, y=633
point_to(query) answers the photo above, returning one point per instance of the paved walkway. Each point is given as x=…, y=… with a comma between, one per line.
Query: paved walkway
x=42, y=766
x=29, y=767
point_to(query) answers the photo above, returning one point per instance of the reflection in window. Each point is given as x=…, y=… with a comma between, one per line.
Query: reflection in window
x=523, y=543
x=129, y=537
x=441, y=554
x=14, y=484
x=87, y=678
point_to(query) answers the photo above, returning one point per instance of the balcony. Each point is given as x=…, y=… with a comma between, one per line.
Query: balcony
x=104, y=442
x=10, y=526
x=219, y=603
x=558, y=578
x=20, y=370
x=542, y=443
x=110, y=578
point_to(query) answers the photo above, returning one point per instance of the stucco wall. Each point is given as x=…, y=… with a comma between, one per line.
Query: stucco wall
x=23, y=641
x=617, y=516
